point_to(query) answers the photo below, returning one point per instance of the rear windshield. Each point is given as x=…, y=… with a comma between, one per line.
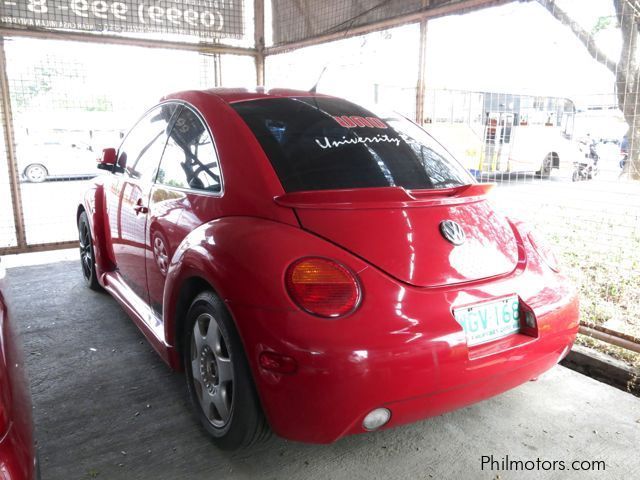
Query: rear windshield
x=319, y=143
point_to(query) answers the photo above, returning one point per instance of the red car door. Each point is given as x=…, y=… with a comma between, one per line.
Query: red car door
x=185, y=195
x=128, y=195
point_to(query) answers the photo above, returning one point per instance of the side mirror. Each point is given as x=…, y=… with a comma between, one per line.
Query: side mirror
x=108, y=160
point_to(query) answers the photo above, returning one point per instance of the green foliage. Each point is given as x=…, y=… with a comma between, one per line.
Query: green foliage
x=101, y=103
x=603, y=23
x=40, y=80
x=50, y=85
x=597, y=239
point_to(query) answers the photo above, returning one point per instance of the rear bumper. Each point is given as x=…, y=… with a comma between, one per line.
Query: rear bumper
x=402, y=350
x=323, y=404
x=411, y=410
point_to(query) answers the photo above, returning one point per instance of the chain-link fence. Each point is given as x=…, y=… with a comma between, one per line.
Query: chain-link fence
x=539, y=97
x=206, y=21
x=525, y=102
x=70, y=100
x=380, y=68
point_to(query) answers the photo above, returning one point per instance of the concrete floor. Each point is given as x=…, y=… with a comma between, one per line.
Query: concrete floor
x=106, y=407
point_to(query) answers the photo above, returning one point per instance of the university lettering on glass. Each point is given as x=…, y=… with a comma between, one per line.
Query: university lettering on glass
x=201, y=18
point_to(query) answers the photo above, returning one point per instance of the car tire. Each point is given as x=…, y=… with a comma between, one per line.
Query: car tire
x=36, y=173
x=219, y=381
x=87, y=257
x=545, y=168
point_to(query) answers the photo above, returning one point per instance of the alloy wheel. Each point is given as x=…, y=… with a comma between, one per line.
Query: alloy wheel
x=212, y=370
x=86, y=256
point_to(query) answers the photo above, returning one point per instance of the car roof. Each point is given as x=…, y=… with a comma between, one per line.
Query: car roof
x=234, y=95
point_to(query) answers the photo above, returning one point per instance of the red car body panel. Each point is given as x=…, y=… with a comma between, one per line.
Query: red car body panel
x=17, y=449
x=408, y=247
x=401, y=349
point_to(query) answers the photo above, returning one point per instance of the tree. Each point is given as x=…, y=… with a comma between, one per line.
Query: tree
x=626, y=70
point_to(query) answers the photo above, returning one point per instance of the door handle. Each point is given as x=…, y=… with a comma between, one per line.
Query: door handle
x=139, y=208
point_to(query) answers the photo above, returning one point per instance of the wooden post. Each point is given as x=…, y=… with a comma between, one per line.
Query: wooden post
x=422, y=68
x=127, y=41
x=9, y=141
x=258, y=11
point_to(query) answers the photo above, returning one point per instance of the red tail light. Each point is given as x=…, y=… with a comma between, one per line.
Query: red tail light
x=323, y=287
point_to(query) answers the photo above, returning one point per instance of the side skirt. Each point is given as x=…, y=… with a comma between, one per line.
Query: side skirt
x=146, y=320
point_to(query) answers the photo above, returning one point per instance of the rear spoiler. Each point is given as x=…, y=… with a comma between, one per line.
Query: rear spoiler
x=382, y=197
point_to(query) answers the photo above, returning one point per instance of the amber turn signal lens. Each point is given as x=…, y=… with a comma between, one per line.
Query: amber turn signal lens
x=322, y=287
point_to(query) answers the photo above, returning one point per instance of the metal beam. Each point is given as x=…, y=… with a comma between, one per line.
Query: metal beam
x=9, y=141
x=613, y=338
x=424, y=14
x=128, y=41
x=258, y=13
x=615, y=333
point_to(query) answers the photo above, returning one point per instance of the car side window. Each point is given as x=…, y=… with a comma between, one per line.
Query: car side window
x=190, y=159
x=140, y=153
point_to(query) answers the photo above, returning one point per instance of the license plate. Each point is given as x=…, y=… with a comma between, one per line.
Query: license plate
x=489, y=321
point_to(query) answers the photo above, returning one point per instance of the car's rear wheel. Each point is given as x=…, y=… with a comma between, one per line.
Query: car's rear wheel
x=36, y=173
x=87, y=257
x=219, y=380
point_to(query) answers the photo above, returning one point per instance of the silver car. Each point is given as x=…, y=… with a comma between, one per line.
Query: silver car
x=39, y=162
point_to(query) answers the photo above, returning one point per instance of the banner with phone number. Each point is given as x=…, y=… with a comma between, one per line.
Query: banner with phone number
x=205, y=19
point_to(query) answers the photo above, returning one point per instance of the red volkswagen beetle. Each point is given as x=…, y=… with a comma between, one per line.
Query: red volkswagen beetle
x=317, y=269
x=17, y=450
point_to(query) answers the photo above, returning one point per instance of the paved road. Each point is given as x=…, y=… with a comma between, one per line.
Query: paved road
x=106, y=407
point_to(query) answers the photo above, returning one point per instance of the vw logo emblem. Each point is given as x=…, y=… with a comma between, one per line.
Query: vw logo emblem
x=452, y=232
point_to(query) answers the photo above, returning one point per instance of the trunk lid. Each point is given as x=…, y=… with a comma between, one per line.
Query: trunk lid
x=399, y=231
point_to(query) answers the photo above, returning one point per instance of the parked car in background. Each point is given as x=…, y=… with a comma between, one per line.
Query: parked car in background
x=42, y=161
x=316, y=268
x=17, y=450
